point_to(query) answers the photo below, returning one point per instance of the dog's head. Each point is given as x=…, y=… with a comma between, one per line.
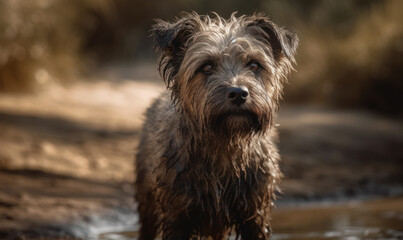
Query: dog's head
x=225, y=75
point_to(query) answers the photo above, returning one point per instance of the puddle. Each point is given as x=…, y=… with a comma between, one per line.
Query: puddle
x=378, y=219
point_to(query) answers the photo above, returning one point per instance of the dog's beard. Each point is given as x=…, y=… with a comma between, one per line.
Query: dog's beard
x=236, y=123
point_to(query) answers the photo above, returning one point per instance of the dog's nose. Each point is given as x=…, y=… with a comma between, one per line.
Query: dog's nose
x=237, y=95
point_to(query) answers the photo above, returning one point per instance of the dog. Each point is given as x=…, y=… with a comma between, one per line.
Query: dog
x=207, y=162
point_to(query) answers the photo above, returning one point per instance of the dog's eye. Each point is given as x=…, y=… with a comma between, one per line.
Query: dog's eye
x=254, y=66
x=206, y=69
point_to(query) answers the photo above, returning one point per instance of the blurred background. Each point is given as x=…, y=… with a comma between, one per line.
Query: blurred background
x=350, y=53
x=77, y=75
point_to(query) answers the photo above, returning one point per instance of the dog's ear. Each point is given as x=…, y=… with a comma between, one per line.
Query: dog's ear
x=283, y=42
x=171, y=39
x=169, y=36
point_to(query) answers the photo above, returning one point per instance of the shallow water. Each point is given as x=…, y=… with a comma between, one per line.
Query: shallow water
x=377, y=219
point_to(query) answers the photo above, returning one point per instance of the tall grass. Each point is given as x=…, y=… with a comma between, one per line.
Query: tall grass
x=53, y=40
x=41, y=40
x=37, y=43
x=362, y=67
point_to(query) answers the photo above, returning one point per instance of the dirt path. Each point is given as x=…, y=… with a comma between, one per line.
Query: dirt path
x=66, y=156
x=333, y=154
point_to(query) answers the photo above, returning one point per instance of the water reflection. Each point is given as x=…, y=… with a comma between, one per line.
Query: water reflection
x=380, y=219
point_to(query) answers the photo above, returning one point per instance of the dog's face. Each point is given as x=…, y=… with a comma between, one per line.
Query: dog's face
x=226, y=75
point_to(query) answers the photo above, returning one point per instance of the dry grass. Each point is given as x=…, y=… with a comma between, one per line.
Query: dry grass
x=40, y=41
x=36, y=43
x=362, y=68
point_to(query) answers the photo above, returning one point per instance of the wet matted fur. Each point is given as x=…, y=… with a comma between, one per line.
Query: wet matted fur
x=207, y=163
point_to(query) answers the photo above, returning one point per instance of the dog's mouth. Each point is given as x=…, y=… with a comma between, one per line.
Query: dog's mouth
x=237, y=121
x=247, y=115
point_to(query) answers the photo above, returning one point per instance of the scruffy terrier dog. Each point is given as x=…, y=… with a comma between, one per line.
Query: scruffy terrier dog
x=207, y=163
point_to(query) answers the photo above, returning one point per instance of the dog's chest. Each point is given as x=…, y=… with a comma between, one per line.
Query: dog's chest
x=222, y=195
x=220, y=203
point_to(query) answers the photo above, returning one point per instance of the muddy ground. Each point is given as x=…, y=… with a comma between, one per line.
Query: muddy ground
x=66, y=155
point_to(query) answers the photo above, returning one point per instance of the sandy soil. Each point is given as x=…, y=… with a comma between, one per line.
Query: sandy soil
x=66, y=155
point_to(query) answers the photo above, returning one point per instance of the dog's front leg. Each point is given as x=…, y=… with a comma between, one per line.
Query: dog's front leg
x=252, y=230
x=177, y=229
